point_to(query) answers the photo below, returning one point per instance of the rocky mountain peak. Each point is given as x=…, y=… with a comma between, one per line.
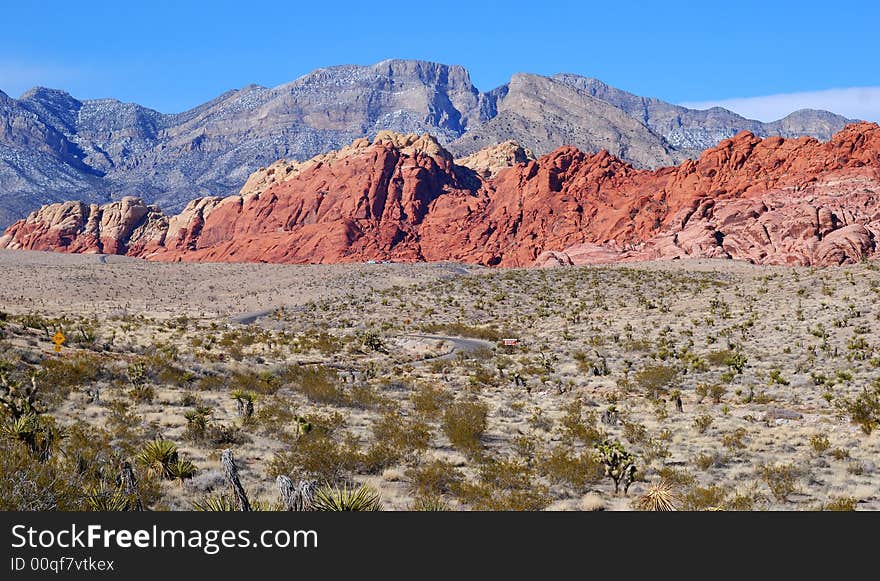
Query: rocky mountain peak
x=54, y=147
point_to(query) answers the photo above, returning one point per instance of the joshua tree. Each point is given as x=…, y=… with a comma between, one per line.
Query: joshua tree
x=619, y=464
x=129, y=484
x=230, y=470
x=19, y=399
x=245, y=402
x=297, y=496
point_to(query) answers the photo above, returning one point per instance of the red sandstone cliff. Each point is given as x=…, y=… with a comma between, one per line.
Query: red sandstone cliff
x=770, y=201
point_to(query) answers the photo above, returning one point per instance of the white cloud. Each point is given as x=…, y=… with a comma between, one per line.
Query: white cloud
x=855, y=103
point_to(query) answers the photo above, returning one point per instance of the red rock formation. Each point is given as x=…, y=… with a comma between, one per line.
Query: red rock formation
x=770, y=201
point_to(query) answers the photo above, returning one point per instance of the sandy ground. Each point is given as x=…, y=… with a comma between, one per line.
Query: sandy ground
x=808, y=338
x=100, y=285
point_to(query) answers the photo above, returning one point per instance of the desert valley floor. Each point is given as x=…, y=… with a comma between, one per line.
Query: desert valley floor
x=397, y=376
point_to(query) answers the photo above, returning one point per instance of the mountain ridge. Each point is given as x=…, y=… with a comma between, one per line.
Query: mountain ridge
x=54, y=147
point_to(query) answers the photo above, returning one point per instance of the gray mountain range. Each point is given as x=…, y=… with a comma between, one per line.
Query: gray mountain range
x=54, y=147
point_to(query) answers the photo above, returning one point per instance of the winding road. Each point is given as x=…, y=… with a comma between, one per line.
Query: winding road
x=459, y=345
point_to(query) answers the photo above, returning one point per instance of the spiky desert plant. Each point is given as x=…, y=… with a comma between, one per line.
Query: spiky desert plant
x=215, y=503
x=182, y=470
x=335, y=499
x=660, y=497
x=244, y=400
x=197, y=422
x=37, y=432
x=18, y=398
x=103, y=499
x=225, y=503
x=619, y=464
x=158, y=457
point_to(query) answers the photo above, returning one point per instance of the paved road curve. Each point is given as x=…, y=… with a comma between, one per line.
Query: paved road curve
x=459, y=345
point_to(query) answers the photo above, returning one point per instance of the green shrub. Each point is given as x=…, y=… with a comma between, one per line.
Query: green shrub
x=780, y=479
x=656, y=379
x=464, y=424
x=704, y=498
x=864, y=409
x=819, y=443
x=434, y=478
x=507, y=484
x=702, y=423
x=562, y=465
x=430, y=400
x=841, y=504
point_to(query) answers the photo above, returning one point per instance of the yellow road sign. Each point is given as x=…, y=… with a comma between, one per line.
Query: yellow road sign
x=59, y=340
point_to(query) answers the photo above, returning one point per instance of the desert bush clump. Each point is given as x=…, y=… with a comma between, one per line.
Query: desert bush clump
x=504, y=484
x=397, y=439
x=464, y=424
x=819, y=443
x=430, y=400
x=702, y=423
x=678, y=477
x=430, y=504
x=704, y=498
x=324, y=453
x=713, y=390
x=841, y=504
x=781, y=479
x=656, y=379
x=564, y=466
x=864, y=409
x=579, y=426
x=318, y=383
x=434, y=478
x=735, y=440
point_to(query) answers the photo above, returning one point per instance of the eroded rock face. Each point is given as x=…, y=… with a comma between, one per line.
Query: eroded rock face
x=401, y=197
x=491, y=160
x=115, y=228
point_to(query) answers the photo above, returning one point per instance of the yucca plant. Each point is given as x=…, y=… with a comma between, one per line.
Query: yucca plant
x=197, y=422
x=660, y=497
x=182, y=470
x=103, y=499
x=215, y=503
x=224, y=503
x=335, y=499
x=37, y=432
x=158, y=457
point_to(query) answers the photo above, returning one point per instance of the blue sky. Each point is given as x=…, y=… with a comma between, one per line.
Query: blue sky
x=175, y=55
